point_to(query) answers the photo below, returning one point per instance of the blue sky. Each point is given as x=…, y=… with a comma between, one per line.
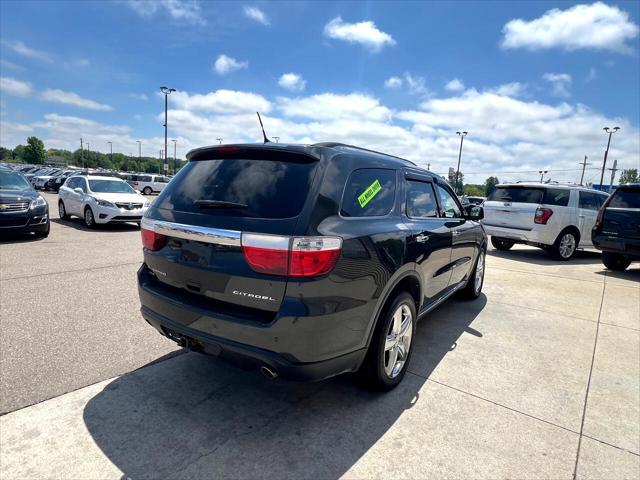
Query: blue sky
x=532, y=85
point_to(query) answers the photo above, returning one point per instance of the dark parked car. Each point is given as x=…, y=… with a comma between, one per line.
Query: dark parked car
x=22, y=209
x=617, y=228
x=308, y=261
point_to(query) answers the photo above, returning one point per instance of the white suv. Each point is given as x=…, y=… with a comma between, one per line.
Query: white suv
x=556, y=217
x=148, y=184
x=98, y=199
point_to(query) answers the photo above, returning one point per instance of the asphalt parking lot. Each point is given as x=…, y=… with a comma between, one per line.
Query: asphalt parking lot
x=539, y=378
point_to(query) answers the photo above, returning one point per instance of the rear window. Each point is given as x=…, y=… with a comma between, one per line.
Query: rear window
x=516, y=195
x=556, y=196
x=370, y=192
x=261, y=188
x=625, y=199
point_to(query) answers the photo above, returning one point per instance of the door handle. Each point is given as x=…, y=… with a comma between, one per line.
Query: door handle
x=455, y=233
x=422, y=238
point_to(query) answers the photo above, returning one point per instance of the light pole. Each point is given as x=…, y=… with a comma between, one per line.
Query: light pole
x=542, y=174
x=166, y=91
x=111, y=152
x=220, y=140
x=606, y=152
x=277, y=138
x=139, y=142
x=175, y=143
x=462, y=135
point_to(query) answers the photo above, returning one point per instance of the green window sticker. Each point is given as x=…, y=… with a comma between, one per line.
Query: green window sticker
x=371, y=191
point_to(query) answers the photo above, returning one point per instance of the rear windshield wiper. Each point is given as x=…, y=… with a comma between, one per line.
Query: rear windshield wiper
x=219, y=204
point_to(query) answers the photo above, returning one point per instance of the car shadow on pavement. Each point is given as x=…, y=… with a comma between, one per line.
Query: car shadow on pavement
x=537, y=256
x=78, y=224
x=10, y=238
x=631, y=273
x=195, y=417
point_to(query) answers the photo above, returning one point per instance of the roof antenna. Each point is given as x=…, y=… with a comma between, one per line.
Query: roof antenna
x=264, y=135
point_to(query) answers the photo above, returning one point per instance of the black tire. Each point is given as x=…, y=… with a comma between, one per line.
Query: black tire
x=501, y=243
x=373, y=371
x=565, y=246
x=89, y=218
x=62, y=211
x=473, y=288
x=147, y=190
x=615, y=261
x=44, y=233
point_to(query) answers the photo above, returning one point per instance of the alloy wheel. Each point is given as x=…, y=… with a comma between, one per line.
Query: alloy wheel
x=567, y=245
x=398, y=341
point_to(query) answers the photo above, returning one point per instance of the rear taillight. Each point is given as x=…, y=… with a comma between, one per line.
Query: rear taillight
x=296, y=257
x=600, y=216
x=542, y=215
x=151, y=240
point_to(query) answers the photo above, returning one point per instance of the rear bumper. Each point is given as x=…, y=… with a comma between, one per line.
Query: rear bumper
x=624, y=246
x=296, y=347
x=248, y=356
x=535, y=236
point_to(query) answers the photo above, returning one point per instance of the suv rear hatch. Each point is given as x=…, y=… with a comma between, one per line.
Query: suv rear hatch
x=197, y=234
x=512, y=206
x=621, y=214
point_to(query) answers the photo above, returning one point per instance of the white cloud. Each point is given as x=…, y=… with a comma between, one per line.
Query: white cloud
x=22, y=49
x=365, y=33
x=595, y=26
x=71, y=98
x=12, y=134
x=139, y=96
x=560, y=83
x=454, y=85
x=254, y=13
x=15, y=87
x=592, y=75
x=415, y=85
x=10, y=65
x=225, y=64
x=512, y=89
x=393, y=83
x=326, y=106
x=292, y=81
x=228, y=102
x=181, y=10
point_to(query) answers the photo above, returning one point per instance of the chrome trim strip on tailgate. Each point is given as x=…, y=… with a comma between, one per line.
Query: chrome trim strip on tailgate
x=216, y=236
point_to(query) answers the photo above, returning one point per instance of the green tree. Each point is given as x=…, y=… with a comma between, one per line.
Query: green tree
x=629, y=176
x=34, y=152
x=458, y=186
x=490, y=185
x=18, y=154
x=474, y=190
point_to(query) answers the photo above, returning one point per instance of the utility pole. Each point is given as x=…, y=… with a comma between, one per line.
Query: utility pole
x=584, y=165
x=81, y=152
x=606, y=152
x=428, y=166
x=277, y=138
x=175, y=142
x=613, y=174
x=111, y=153
x=220, y=140
x=166, y=91
x=462, y=135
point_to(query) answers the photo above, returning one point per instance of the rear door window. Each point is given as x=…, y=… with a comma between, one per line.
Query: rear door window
x=370, y=192
x=421, y=200
x=515, y=194
x=591, y=200
x=556, y=196
x=241, y=188
x=625, y=198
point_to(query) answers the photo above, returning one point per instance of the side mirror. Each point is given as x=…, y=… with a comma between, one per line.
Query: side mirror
x=473, y=212
x=78, y=190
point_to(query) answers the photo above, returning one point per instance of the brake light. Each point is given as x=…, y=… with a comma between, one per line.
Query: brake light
x=600, y=216
x=151, y=240
x=543, y=215
x=296, y=257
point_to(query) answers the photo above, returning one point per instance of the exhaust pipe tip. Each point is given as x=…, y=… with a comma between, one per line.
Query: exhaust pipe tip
x=268, y=372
